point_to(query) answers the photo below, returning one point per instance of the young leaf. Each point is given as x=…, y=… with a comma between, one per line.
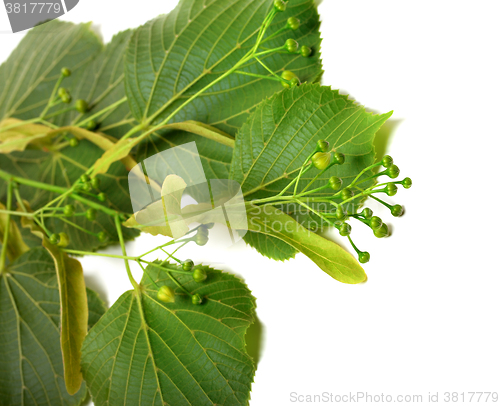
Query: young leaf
x=174, y=56
x=144, y=351
x=329, y=256
x=16, y=245
x=31, y=367
x=29, y=75
x=15, y=135
x=283, y=131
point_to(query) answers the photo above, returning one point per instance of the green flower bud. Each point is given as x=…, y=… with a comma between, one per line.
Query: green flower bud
x=291, y=45
x=91, y=125
x=347, y=193
x=290, y=76
x=279, y=5
x=91, y=214
x=367, y=212
x=85, y=178
x=345, y=229
x=101, y=197
x=166, y=294
x=335, y=182
x=407, y=183
x=95, y=182
x=393, y=172
x=196, y=299
x=65, y=72
x=66, y=99
x=293, y=23
x=87, y=187
x=387, y=161
x=323, y=145
x=81, y=106
x=375, y=222
x=73, y=142
x=382, y=231
x=187, y=265
x=397, y=210
x=338, y=158
x=305, y=51
x=199, y=275
x=69, y=210
x=391, y=189
x=339, y=213
x=54, y=239
x=321, y=160
x=63, y=240
x=201, y=237
x=102, y=236
x=363, y=257
x=62, y=92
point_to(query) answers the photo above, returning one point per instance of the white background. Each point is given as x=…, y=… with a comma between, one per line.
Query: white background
x=427, y=319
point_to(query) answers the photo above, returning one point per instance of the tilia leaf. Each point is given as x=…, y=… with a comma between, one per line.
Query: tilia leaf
x=177, y=353
x=279, y=136
x=31, y=365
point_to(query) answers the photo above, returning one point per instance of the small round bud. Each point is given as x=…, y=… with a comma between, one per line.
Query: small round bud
x=338, y=158
x=293, y=23
x=323, y=145
x=196, y=299
x=187, y=265
x=391, y=189
x=65, y=72
x=305, y=51
x=91, y=125
x=363, y=257
x=345, y=229
x=81, y=106
x=375, y=222
x=63, y=240
x=166, y=294
x=62, y=92
x=69, y=210
x=279, y=5
x=393, y=172
x=397, y=210
x=101, y=197
x=85, y=178
x=95, y=182
x=291, y=45
x=87, y=187
x=54, y=239
x=407, y=183
x=201, y=237
x=73, y=142
x=367, y=213
x=335, y=182
x=321, y=160
x=382, y=231
x=91, y=214
x=199, y=275
x=102, y=236
x=387, y=161
x=291, y=77
x=339, y=213
x=66, y=99
x=347, y=193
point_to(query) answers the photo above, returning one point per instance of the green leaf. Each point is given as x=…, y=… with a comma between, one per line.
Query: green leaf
x=31, y=367
x=101, y=85
x=174, y=56
x=143, y=351
x=329, y=256
x=282, y=132
x=32, y=70
x=270, y=246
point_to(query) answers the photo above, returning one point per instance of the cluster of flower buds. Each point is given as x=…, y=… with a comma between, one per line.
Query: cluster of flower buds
x=322, y=159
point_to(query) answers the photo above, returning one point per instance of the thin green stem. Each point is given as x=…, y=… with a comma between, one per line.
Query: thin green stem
x=5, y=242
x=76, y=226
x=52, y=96
x=269, y=70
x=101, y=112
x=256, y=75
x=124, y=252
